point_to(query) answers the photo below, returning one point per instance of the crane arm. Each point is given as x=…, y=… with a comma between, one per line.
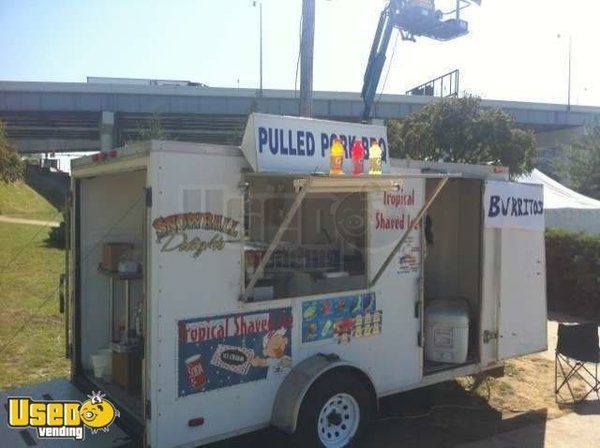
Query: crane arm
x=412, y=18
x=377, y=57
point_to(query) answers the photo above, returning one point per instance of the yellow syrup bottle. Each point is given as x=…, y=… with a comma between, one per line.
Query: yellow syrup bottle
x=374, y=158
x=336, y=164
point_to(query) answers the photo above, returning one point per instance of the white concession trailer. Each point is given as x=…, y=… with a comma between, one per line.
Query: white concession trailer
x=217, y=290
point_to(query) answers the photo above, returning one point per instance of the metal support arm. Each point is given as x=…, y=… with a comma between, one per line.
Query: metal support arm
x=377, y=58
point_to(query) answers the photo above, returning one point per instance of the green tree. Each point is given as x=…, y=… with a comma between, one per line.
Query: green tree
x=11, y=166
x=584, y=158
x=459, y=130
x=153, y=130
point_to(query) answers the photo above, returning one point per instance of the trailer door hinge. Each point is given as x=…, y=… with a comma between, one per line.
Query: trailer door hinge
x=489, y=335
x=147, y=410
x=419, y=339
x=148, y=196
x=417, y=309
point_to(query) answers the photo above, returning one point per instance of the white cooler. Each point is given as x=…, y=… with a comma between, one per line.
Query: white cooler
x=447, y=331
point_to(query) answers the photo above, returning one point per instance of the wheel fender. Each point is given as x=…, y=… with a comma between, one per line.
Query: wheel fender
x=292, y=390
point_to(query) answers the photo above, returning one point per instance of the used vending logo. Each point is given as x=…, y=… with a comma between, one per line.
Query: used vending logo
x=62, y=419
x=172, y=230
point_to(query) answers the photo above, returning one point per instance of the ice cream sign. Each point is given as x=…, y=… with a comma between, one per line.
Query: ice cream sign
x=221, y=351
x=341, y=319
x=275, y=143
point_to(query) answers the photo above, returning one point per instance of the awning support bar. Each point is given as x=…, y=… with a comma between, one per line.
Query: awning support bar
x=412, y=225
x=282, y=228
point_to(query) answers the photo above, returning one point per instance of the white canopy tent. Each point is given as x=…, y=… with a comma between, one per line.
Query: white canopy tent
x=565, y=208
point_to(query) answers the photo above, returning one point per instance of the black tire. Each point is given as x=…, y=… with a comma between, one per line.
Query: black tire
x=319, y=394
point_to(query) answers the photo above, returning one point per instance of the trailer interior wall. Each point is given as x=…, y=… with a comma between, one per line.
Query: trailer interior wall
x=453, y=256
x=112, y=209
x=452, y=263
x=315, y=223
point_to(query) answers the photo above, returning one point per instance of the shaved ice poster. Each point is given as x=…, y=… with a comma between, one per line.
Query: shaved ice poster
x=222, y=351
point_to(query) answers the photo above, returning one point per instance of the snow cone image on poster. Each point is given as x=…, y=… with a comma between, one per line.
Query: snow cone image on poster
x=274, y=346
x=195, y=371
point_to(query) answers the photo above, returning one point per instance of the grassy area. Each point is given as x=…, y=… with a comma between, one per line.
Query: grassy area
x=29, y=293
x=21, y=201
x=527, y=385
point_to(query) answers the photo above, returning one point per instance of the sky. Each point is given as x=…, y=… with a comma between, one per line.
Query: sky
x=513, y=51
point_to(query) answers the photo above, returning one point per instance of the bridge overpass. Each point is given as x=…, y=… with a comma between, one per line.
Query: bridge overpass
x=68, y=117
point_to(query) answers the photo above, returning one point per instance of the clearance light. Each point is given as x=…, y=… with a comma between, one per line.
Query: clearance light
x=99, y=156
x=199, y=421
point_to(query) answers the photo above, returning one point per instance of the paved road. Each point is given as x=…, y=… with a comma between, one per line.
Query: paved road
x=34, y=222
x=579, y=429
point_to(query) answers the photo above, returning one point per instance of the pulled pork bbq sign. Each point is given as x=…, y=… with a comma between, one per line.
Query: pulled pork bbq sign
x=513, y=205
x=173, y=232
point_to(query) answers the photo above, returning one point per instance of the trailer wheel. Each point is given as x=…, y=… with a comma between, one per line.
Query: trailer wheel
x=334, y=412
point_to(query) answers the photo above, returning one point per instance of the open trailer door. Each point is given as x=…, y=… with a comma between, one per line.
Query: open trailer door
x=514, y=274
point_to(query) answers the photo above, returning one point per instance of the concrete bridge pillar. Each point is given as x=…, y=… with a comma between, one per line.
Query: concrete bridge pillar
x=107, y=130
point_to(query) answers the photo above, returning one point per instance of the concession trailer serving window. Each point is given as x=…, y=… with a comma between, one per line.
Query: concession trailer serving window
x=308, y=235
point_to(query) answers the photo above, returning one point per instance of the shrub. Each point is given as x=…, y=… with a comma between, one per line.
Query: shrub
x=57, y=236
x=11, y=166
x=573, y=273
